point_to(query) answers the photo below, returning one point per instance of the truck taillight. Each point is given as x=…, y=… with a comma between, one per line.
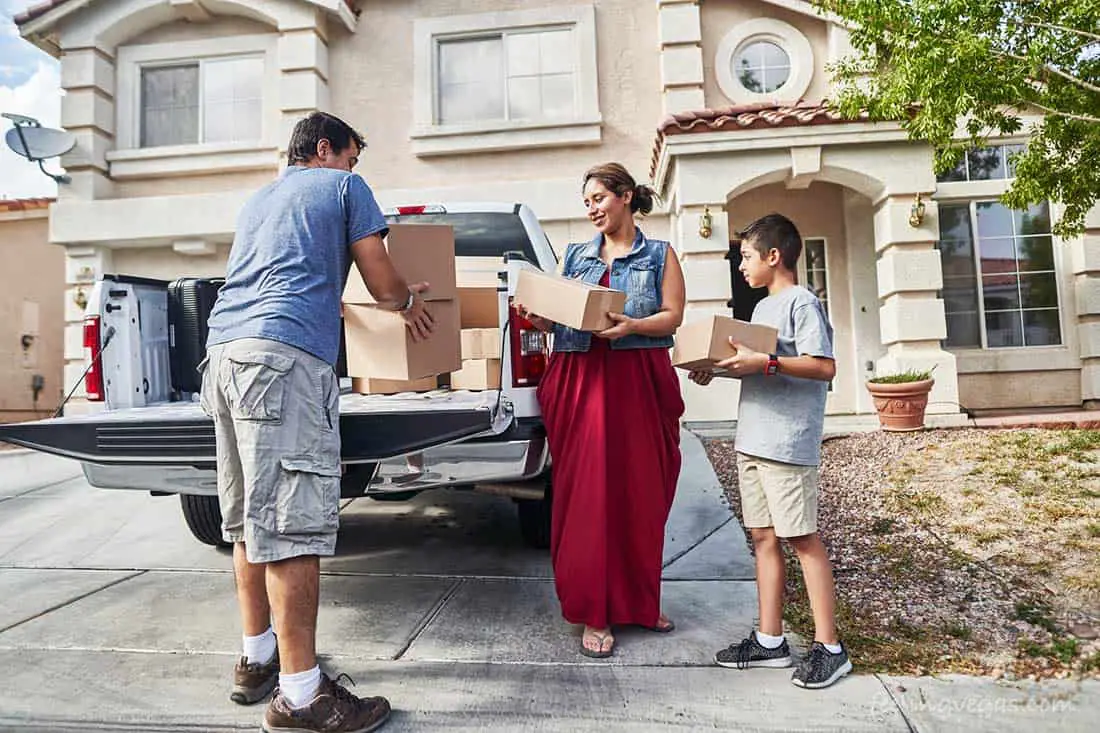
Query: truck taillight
x=93, y=379
x=528, y=350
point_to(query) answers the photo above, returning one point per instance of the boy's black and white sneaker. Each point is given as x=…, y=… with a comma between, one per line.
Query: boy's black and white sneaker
x=751, y=653
x=821, y=668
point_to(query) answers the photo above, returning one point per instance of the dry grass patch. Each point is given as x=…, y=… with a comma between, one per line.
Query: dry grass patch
x=963, y=550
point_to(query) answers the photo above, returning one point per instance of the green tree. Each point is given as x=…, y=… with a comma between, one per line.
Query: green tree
x=988, y=65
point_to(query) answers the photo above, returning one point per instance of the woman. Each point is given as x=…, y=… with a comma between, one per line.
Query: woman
x=611, y=404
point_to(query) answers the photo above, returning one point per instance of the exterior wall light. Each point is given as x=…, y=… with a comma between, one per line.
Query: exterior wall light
x=705, y=223
x=916, y=213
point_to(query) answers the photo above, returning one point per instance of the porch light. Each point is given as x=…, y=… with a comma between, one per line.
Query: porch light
x=916, y=213
x=705, y=223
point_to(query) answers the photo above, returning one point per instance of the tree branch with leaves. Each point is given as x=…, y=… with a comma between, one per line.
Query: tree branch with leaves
x=989, y=68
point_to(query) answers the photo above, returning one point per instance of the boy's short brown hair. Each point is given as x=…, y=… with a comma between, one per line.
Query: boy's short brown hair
x=777, y=232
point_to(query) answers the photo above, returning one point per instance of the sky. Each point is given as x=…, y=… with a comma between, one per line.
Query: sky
x=30, y=84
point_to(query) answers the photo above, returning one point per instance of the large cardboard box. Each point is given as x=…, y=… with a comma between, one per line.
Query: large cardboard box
x=480, y=306
x=420, y=253
x=481, y=343
x=702, y=344
x=380, y=346
x=477, y=374
x=369, y=385
x=570, y=302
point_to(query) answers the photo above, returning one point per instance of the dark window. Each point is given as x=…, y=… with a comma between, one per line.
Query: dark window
x=480, y=234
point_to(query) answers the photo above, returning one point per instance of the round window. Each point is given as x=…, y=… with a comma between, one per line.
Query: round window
x=761, y=66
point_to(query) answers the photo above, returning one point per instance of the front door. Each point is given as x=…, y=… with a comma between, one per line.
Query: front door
x=744, y=298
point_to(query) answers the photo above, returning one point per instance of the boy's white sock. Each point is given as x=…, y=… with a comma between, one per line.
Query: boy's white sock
x=300, y=688
x=833, y=648
x=260, y=648
x=768, y=641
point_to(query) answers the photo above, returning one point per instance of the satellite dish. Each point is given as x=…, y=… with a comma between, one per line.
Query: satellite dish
x=29, y=139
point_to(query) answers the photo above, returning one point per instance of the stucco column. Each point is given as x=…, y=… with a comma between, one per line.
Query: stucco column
x=88, y=112
x=1085, y=251
x=84, y=265
x=681, y=37
x=707, y=275
x=303, y=74
x=911, y=315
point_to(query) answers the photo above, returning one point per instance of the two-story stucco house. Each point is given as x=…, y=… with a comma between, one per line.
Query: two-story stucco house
x=182, y=108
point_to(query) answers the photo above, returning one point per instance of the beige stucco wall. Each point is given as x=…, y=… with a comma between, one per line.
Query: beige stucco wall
x=33, y=272
x=718, y=17
x=1020, y=390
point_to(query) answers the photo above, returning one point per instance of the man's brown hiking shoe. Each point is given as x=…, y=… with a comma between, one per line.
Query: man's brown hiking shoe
x=252, y=682
x=333, y=710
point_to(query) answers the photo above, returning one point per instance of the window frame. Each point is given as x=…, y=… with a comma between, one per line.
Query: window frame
x=429, y=137
x=799, y=52
x=804, y=269
x=130, y=160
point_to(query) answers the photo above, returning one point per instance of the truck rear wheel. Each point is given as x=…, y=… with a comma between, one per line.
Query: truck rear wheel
x=534, y=519
x=204, y=518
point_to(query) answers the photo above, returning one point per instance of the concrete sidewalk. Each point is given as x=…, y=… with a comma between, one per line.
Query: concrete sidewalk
x=115, y=619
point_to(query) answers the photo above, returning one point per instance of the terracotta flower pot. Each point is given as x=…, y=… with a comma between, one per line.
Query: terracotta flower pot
x=901, y=406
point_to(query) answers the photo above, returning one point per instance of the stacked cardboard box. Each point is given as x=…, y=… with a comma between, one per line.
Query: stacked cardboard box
x=380, y=349
x=701, y=345
x=480, y=337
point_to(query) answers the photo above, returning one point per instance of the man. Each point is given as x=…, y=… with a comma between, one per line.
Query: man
x=269, y=384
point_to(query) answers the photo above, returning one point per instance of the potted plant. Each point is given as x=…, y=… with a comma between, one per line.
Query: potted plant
x=901, y=398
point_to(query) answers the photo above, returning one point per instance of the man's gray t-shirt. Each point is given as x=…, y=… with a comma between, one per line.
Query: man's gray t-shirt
x=781, y=417
x=290, y=260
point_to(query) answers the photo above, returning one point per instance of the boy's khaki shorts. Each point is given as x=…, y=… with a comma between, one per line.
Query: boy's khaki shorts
x=276, y=419
x=779, y=495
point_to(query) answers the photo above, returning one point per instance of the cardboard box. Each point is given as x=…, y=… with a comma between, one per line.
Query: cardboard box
x=477, y=374
x=701, y=344
x=481, y=343
x=369, y=385
x=421, y=253
x=570, y=302
x=380, y=346
x=480, y=307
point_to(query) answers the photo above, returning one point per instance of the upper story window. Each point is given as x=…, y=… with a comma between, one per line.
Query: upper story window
x=206, y=101
x=764, y=60
x=762, y=66
x=498, y=81
x=993, y=163
x=526, y=75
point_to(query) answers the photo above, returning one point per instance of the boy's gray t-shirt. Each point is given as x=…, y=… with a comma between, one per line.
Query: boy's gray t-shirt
x=781, y=417
x=291, y=257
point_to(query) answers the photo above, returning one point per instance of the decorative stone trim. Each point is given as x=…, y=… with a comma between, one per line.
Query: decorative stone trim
x=784, y=35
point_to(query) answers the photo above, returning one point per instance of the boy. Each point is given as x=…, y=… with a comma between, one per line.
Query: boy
x=778, y=444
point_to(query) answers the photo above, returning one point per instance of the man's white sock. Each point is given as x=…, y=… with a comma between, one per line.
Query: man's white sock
x=300, y=688
x=260, y=648
x=768, y=641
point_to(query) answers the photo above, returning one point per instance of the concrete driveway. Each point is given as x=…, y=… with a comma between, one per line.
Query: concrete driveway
x=113, y=617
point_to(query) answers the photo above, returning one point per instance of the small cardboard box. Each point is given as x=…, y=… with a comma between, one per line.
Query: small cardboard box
x=380, y=346
x=369, y=385
x=569, y=302
x=481, y=343
x=477, y=374
x=420, y=253
x=702, y=344
x=480, y=307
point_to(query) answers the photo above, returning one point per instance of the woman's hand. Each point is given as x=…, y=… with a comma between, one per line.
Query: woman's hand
x=543, y=324
x=624, y=326
x=700, y=377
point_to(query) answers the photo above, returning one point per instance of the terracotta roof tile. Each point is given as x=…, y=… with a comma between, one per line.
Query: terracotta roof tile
x=743, y=117
x=25, y=204
x=36, y=11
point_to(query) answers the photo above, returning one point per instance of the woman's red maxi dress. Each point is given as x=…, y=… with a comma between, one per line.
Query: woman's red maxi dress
x=613, y=422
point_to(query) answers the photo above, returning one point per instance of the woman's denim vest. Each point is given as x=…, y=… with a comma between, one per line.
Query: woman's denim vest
x=639, y=275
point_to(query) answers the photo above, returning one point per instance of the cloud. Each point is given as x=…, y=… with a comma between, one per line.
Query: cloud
x=39, y=97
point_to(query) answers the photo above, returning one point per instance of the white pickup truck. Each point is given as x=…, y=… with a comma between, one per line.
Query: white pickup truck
x=152, y=436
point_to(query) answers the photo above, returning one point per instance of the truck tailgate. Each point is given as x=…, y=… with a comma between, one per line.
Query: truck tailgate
x=372, y=428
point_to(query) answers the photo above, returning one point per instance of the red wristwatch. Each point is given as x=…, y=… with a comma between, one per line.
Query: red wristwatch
x=773, y=366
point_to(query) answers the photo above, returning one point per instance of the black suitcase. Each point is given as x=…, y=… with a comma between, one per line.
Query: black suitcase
x=190, y=300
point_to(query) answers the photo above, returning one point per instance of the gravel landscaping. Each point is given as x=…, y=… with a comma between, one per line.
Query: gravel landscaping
x=959, y=550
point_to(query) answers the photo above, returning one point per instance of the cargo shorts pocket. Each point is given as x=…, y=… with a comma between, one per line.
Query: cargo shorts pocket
x=204, y=387
x=256, y=385
x=309, y=497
